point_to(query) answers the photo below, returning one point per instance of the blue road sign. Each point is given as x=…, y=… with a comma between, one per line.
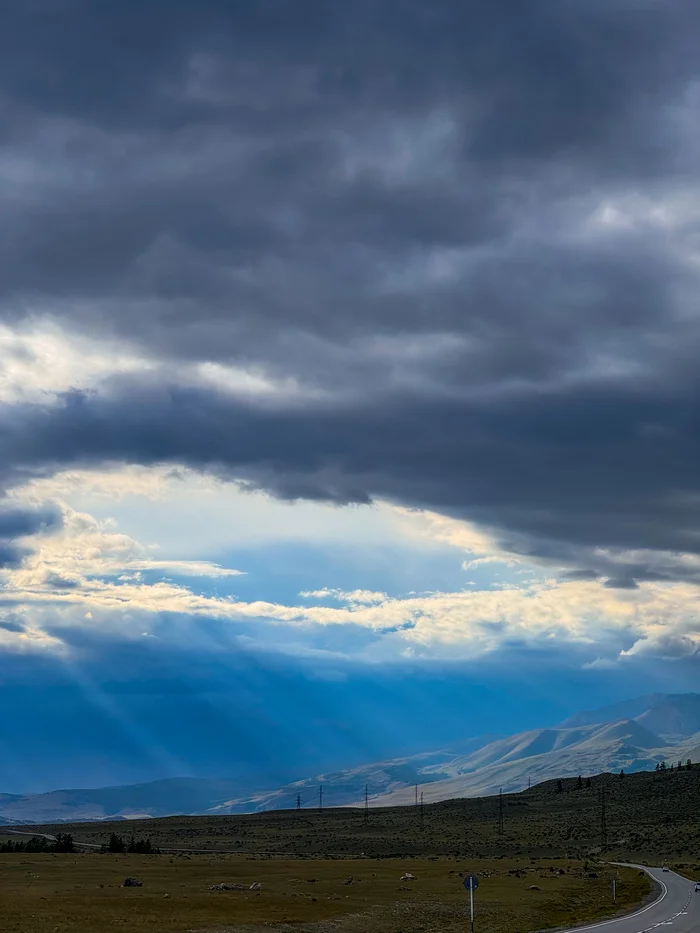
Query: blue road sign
x=471, y=882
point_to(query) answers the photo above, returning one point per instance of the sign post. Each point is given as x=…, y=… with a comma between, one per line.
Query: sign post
x=471, y=883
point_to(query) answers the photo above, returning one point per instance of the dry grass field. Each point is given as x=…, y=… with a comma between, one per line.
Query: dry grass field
x=545, y=871
x=83, y=894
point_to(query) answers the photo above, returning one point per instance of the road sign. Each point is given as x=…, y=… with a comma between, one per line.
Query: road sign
x=471, y=883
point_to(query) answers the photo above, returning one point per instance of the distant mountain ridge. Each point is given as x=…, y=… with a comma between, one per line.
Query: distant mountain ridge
x=663, y=728
x=682, y=703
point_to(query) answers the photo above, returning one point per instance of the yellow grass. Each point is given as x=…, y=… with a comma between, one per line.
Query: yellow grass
x=82, y=894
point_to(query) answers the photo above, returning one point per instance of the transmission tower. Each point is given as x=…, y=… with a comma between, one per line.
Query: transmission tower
x=500, y=811
x=603, y=821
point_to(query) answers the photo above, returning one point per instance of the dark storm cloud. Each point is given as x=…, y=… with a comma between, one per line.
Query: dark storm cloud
x=558, y=476
x=401, y=206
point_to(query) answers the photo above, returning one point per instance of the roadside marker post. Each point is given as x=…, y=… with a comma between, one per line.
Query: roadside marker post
x=471, y=883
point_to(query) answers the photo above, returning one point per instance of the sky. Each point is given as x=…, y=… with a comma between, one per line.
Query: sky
x=349, y=397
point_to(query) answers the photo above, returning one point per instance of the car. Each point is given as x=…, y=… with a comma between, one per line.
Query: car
x=697, y=886
x=665, y=868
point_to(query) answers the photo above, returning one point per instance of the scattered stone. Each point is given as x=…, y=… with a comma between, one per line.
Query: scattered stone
x=229, y=886
x=534, y=887
x=407, y=877
x=166, y=895
x=132, y=883
x=255, y=886
x=349, y=880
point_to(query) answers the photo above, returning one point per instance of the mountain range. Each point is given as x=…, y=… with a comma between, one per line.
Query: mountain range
x=635, y=736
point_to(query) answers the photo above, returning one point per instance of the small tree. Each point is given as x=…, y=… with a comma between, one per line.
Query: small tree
x=689, y=764
x=588, y=782
x=560, y=786
x=116, y=844
x=64, y=843
x=622, y=773
x=579, y=782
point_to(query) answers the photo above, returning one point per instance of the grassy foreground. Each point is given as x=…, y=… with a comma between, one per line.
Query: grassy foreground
x=62, y=893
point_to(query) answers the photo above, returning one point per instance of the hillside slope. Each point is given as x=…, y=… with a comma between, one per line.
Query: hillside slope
x=473, y=767
x=511, y=763
x=651, y=817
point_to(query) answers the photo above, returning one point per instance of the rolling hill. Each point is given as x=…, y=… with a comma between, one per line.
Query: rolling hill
x=664, y=728
x=651, y=817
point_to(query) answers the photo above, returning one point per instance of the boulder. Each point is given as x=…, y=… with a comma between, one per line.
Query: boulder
x=132, y=883
x=407, y=877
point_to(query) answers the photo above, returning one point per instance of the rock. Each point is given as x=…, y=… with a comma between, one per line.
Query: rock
x=349, y=880
x=166, y=895
x=534, y=887
x=255, y=886
x=225, y=886
x=132, y=883
x=407, y=877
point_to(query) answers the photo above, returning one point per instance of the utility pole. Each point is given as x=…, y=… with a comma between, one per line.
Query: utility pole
x=416, y=795
x=529, y=782
x=320, y=798
x=500, y=811
x=422, y=815
x=614, y=891
x=366, y=804
x=603, y=819
x=298, y=801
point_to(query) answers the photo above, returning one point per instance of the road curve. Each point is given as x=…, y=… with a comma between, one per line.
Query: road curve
x=676, y=910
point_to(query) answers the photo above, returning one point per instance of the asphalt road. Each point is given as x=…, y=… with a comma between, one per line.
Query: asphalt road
x=676, y=911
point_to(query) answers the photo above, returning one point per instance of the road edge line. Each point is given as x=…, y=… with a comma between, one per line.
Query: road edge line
x=637, y=913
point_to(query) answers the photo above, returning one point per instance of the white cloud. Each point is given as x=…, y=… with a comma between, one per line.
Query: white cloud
x=90, y=573
x=85, y=548
x=353, y=597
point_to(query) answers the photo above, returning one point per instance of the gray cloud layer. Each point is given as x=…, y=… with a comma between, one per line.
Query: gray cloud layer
x=403, y=208
x=21, y=523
